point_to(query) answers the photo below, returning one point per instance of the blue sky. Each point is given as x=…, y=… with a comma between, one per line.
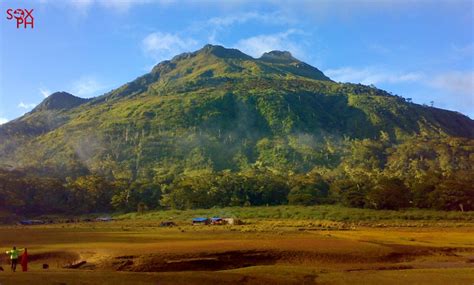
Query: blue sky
x=418, y=49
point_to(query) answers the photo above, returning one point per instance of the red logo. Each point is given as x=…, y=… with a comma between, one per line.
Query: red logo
x=22, y=16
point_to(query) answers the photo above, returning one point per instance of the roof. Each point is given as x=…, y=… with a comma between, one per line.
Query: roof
x=200, y=219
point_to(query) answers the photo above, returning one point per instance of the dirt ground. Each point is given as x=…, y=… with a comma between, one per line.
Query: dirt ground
x=140, y=252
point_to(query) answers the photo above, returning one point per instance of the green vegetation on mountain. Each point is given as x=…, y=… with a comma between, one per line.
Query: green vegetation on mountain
x=217, y=127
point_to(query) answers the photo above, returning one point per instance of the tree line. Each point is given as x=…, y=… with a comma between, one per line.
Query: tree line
x=34, y=195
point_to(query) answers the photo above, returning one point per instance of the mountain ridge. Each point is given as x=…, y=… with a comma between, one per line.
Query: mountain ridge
x=224, y=109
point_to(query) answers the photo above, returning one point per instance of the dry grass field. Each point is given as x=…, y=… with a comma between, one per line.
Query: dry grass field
x=262, y=251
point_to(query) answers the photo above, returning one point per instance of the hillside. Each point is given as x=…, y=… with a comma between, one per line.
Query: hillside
x=219, y=109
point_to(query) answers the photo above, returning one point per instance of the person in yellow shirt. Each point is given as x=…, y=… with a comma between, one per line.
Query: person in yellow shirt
x=14, y=253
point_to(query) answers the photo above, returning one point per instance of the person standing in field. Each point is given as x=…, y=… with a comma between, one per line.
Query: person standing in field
x=24, y=260
x=14, y=257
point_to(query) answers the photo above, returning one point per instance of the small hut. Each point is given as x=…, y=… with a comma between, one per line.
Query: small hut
x=200, y=221
x=217, y=221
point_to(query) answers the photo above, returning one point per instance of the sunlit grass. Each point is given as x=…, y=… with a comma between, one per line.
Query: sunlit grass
x=323, y=212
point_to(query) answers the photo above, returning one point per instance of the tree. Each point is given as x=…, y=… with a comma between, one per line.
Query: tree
x=308, y=189
x=390, y=194
x=91, y=193
x=421, y=193
x=453, y=194
x=349, y=192
x=263, y=187
x=191, y=191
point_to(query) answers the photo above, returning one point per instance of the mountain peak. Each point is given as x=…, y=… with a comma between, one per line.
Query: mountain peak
x=58, y=101
x=280, y=56
x=222, y=52
x=205, y=61
x=214, y=50
x=285, y=60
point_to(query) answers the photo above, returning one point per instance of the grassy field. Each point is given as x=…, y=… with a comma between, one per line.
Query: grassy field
x=276, y=245
x=323, y=212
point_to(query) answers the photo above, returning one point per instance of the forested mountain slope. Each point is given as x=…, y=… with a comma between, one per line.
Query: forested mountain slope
x=219, y=110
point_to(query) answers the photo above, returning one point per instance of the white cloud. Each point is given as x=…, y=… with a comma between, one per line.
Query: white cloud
x=460, y=85
x=216, y=25
x=88, y=86
x=82, y=3
x=26, y=106
x=380, y=49
x=257, y=45
x=453, y=82
x=45, y=92
x=125, y=5
x=82, y=6
x=463, y=50
x=3, y=121
x=371, y=75
x=452, y=90
x=234, y=19
x=165, y=45
x=271, y=18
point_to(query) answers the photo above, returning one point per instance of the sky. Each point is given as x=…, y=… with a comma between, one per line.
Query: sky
x=422, y=50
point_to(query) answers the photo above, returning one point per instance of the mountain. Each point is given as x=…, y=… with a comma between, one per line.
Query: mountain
x=218, y=108
x=59, y=101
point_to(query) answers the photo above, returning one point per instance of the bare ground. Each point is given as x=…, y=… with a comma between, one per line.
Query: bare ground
x=224, y=255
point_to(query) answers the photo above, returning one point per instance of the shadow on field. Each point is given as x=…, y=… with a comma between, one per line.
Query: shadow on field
x=247, y=258
x=201, y=262
x=228, y=260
